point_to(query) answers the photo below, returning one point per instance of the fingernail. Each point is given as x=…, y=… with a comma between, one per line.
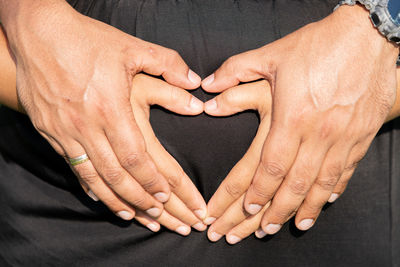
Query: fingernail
x=196, y=104
x=183, y=230
x=254, y=209
x=92, y=195
x=209, y=80
x=161, y=196
x=260, y=233
x=125, y=215
x=306, y=224
x=333, y=197
x=232, y=239
x=199, y=226
x=213, y=236
x=209, y=220
x=272, y=228
x=200, y=213
x=211, y=105
x=154, y=212
x=153, y=227
x=193, y=77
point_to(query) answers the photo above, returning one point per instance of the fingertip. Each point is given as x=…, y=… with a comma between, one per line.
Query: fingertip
x=194, y=78
x=209, y=220
x=211, y=106
x=206, y=83
x=305, y=224
x=196, y=106
x=333, y=197
x=213, y=236
x=92, y=195
x=253, y=209
x=154, y=227
x=200, y=213
x=162, y=196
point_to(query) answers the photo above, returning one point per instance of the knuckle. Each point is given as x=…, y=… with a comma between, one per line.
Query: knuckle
x=299, y=186
x=273, y=169
x=89, y=177
x=139, y=200
x=327, y=182
x=150, y=182
x=113, y=176
x=260, y=192
x=131, y=160
x=175, y=181
x=233, y=189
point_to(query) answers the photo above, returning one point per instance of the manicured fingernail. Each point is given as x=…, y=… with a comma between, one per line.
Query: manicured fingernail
x=211, y=105
x=305, y=224
x=92, y=195
x=209, y=80
x=154, y=212
x=333, y=197
x=199, y=226
x=213, y=236
x=196, y=104
x=200, y=213
x=272, y=228
x=193, y=77
x=209, y=220
x=260, y=233
x=254, y=209
x=161, y=196
x=183, y=230
x=232, y=239
x=153, y=227
x=126, y=215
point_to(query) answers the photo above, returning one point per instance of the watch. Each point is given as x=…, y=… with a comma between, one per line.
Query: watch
x=385, y=16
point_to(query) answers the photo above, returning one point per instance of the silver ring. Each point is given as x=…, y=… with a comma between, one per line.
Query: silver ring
x=78, y=160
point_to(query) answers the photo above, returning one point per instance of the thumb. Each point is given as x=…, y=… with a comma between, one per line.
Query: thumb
x=245, y=67
x=159, y=92
x=255, y=95
x=157, y=60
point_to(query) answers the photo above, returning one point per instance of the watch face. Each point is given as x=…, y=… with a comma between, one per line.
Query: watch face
x=394, y=10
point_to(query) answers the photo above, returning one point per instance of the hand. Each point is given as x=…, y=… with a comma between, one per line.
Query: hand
x=147, y=91
x=333, y=86
x=74, y=80
x=225, y=209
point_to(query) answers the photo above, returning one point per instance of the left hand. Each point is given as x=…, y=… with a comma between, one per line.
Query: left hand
x=332, y=87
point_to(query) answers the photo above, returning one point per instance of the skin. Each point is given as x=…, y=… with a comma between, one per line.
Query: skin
x=235, y=223
x=332, y=88
x=74, y=81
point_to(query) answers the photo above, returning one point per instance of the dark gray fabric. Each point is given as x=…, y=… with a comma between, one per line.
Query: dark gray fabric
x=46, y=219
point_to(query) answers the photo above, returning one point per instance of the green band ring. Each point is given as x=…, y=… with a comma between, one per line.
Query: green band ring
x=78, y=160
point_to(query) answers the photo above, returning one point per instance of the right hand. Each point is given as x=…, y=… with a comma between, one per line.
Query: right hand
x=74, y=79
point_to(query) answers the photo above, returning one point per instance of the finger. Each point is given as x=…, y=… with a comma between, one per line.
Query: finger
x=255, y=96
x=112, y=173
x=147, y=221
x=279, y=152
x=173, y=98
x=128, y=145
x=322, y=189
x=173, y=224
x=232, y=217
x=245, y=67
x=295, y=186
x=247, y=227
x=179, y=182
x=157, y=60
x=236, y=99
x=96, y=188
x=356, y=155
x=175, y=207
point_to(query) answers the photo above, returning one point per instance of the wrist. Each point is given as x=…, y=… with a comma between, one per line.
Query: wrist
x=355, y=20
x=17, y=14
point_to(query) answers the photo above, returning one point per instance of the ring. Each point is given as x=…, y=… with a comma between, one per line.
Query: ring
x=78, y=160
